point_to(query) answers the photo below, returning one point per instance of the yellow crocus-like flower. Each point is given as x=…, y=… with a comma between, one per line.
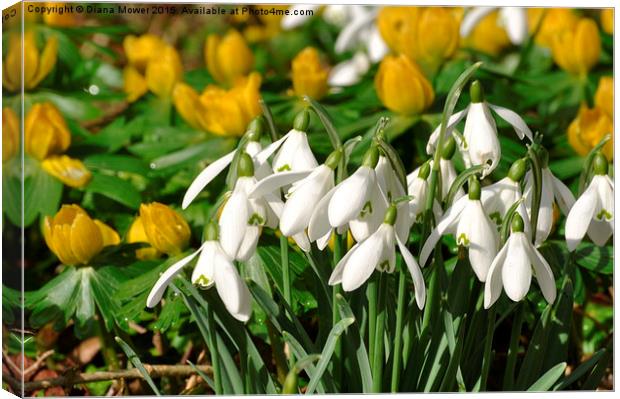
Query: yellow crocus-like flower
x=578, y=49
x=394, y=23
x=136, y=233
x=488, y=36
x=402, y=87
x=64, y=20
x=607, y=20
x=46, y=132
x=556, y=21
x=10, y=134
x=37, y=65
x=604, y=96
x=587, y=130
x=71, y=172
x=165, y=229
x=309, y=74
x=228, y=58
x=153, y=65
x=74, y=237
x=217, y=110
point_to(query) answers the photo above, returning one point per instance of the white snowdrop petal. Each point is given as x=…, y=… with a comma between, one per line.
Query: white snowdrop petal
x=295, y=18
x=350, y=33
x=599, y=232
x=164, y=280
x=322, y=242
x=205, y=177
x=416, y=274
x=473, y=18
x=579, y=217
x=275, y=181
x=482, y=235
x=351, y=196
x=514, y=120
x=373, y=214
x=262, y=156
x=517, y=270
x=544, y=275
x=319, y=221
x=232, y=289
x=363, y=261
x=344, y=74
x=448, y=221
x=233, y=222
x=336, y=276
x=377, y=48
x=205, y=265
x=493, y=284
x=606, y=198
x=247, y=248
x=563, y=195
x=514, y=20
x=452, y=121
x=301, y=239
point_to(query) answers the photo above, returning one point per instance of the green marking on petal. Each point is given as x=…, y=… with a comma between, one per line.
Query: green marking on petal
x=203, y=282
x=256, y=220
x=285, y=167
x=366, y=210
x=496, y=217
x=383, y=266
x=462, y=240
x=604, y=214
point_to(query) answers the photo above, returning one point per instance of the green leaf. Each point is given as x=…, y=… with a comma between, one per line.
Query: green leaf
x=116, y=163
x=42, y=193
x=460, y=181
x=580, y=371
x=546, y=381
x=70, y=106
x=334, y=138
x=202, y=375
x=116, y=189
x=327, y=352
x=135, y=360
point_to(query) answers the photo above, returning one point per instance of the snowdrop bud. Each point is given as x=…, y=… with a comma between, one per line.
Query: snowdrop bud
x=212, y=231
x=517, y=223
x=599, y=164
x=302, y=120
x=424, y=171
x=543, y=157
x=333, y=159
x=371, y=158
x=475, y=92
x=255, y=128
x=517, y=170
x=390, y=215
x=474, y=188
x=447, y=152
x=245, y=167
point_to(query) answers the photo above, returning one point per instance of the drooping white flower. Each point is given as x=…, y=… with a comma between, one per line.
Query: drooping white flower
x=243, y=217
x=512, y=269
x=552, y=188
x=593, y=212
x=473, y=229
x=512, y=19
x=349, y=72
x=393, y=189
x=378, y=251
x=214, y=267
x=294, y=153
x=417, y=187
x=480, y=141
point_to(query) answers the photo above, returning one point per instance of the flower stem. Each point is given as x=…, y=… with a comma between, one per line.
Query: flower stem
x=107, y=347
x=537, y=186
x=215, y=359
x=335, y=316
x=372, y=317
x=513, y=348
x=486, y=359
x=398, y=333
x=377, y=361
x=286, y=277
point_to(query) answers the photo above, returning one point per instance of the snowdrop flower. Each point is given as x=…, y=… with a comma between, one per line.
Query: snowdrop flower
x=512, y=269
x=214, y=267
x=480, y=140
x=294, y=153
x=378, y=252
x=467, y=220
x=552, y=187
x=393, y=189
x=417, y=187
x=513, y=19
x=357, y=201
x=448, y=172
x=242, y=217
x=594, y=210
x=308, y=188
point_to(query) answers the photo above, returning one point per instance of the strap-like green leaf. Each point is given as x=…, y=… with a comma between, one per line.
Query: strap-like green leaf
x=135, y=360
x=546, y=381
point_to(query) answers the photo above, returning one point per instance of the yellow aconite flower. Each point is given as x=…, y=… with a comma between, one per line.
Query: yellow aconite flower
x=71, y=172
x=220, y=111
x=309, y=74
x=64, y=20
x=488, y=36
x=556, y=21
x=578, y=49
x=587, y=130
x=74, y=237
x=165, y=229
x=604, y=96
x=36, y=65
x=607, y=20
x=10, y=134
x=394, y=23
x=136, y=233
x=228, y=58
x=153, y=65
x=402, y=87
x=46, y=132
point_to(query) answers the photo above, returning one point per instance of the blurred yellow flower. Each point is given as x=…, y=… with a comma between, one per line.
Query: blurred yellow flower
x=556, y=21
x=604, y=96
x=74, y=237
x=45, y=131
x=71, y=172
x=228, y=58
x=578, y=49
x=37, y=65
x=153, y=65
x=402, y=87
x=10, y=134
x=165, y=229
x=217, y=110
x=136, y=233
x=428, y=35
x=488, y=36
x=587, y=130
x=607, y=20
x=309, y=74
x=64, y=20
